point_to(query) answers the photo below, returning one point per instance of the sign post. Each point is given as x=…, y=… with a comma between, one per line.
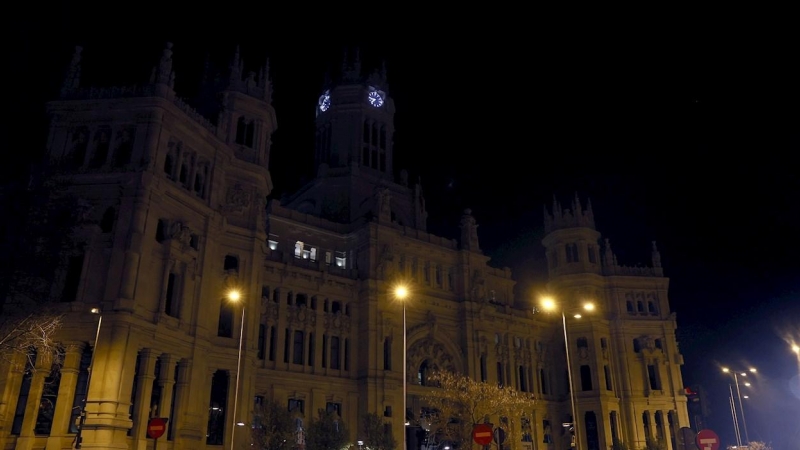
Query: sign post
x=707, y=440
x=156, y=427
x=482, y=434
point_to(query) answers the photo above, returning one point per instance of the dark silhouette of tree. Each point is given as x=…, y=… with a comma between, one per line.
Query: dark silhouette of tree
x=376, y=436
x=327, y=432
x=272, y=427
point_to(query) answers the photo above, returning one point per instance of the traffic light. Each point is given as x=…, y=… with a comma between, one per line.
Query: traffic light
x=697, y=406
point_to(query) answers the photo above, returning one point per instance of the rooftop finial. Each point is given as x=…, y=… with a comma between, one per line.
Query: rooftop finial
x=656, y=256
x=164, y=73
x=73, y=77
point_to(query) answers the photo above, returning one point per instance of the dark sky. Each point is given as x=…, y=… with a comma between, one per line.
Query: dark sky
x=684, y=132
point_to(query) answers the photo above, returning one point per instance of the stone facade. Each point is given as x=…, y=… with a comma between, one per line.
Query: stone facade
x=179, y=203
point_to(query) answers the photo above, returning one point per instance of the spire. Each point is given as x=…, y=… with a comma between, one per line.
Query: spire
x=73, y=77
x=609, y=260
x=264, y=81
x=235, y=76
x=576, y=205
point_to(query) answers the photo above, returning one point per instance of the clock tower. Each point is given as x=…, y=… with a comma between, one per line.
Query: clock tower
x=355, y=177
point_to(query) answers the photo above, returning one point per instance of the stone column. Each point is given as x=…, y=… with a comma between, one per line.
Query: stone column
x=70, y=372
x=166, y=380
x=183, y=438
x=27, y=435
x=141, y=404
x=10, y=395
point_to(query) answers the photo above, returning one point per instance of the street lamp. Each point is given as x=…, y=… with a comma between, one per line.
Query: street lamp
x=401, y=292
x=234, y=295
x=548, y=304
x=741, y=405
x=79, y=435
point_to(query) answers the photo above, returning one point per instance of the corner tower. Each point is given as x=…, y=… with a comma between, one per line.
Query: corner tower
x=354, y=146
x=571, y=240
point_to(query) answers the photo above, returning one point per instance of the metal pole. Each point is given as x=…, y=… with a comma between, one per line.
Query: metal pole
x=236, y=390
x=735, y=419
x=405, y=432
x=79, y=436
x=741, y=408
x=571, y=386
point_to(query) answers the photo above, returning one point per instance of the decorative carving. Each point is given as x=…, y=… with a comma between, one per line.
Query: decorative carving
x=478, y=289
x=237, y=198
x=432, y=351
x=181, y=233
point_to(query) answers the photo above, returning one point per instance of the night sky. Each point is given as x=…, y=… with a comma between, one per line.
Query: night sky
x=685, y=134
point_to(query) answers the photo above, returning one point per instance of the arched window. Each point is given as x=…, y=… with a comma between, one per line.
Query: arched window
x=423, y=373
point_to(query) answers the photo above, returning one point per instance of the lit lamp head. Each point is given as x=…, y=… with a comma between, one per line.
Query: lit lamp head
x=796, y=348
x=726, y=370
x=95, y=310
x=234, y=295
x=548, y=304
x=401, y=292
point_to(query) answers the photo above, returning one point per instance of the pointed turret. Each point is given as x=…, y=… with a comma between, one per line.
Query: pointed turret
x=609, y=259
x=235, y=71
x=73, y=77
x=656, y=256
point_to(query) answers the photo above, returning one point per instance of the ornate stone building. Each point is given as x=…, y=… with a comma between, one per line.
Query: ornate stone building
x=180, y=217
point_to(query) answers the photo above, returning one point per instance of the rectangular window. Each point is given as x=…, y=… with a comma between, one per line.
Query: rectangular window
x=262, y=337
x=296, y=405
x=335, y=356
x=298, y=346
x=272, y=344
x=501, y=378
x=483, y=368
x=225, y=325
x=170, y=293
x=347, y=354
x=652, y=374
x=334, y=407
x=387, y=354
x=607, y=370
x=586, y=378
x=324, y=350
x=311, y=347
x=543, y=380
x=523, y=385
x=286, y=343
x=72, y=279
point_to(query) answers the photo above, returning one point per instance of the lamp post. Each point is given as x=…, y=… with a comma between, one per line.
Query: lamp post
x=235, y=296
x=79, y=435
x=401, y=292
x=741, y=405
x=548, y=304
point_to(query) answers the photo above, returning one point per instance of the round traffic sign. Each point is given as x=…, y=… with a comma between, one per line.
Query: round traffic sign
x=482, y=434
x=499, y=435
x=707, y=440
x=156, y=427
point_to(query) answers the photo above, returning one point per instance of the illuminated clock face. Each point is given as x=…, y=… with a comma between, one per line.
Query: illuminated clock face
x=375, y=98
x=324, y=101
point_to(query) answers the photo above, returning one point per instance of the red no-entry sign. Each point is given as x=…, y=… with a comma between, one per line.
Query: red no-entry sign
x=707, y=440
x=156, y=427
x=482, y=434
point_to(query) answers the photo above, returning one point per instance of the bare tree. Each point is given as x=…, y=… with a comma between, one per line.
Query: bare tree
x=35, y=241
x=461, y=402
